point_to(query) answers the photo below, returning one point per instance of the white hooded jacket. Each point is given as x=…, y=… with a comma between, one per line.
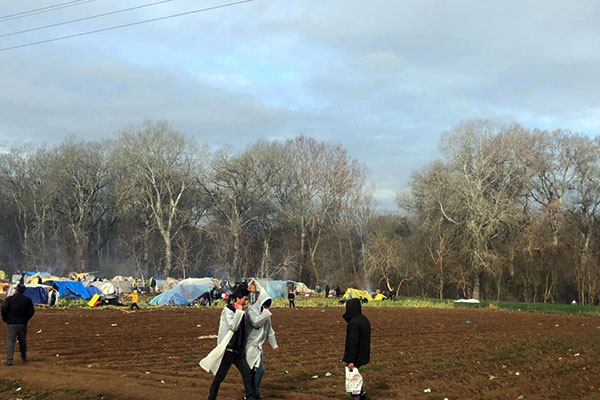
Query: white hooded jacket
x=230, y=322
x=258, y=329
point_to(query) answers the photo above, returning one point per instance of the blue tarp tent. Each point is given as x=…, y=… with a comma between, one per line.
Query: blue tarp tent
x=92, y=290
x=275, y=289
x=184, y=293
x=37, y=293
x=72, y=290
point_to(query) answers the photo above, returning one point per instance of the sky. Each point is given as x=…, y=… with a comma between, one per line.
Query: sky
x=382, y=77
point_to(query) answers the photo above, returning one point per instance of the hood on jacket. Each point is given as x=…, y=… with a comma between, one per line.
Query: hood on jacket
x=353, y=309
x=262, y=298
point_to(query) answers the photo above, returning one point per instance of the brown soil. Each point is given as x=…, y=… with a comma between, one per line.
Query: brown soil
x=154, y=354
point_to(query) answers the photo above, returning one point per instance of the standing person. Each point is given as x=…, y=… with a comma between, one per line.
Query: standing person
x=327, y=291
x=291, y=298
x=338, y=291
x=17, y=310
x=357, y=351
x=259, y=328
x=153, y=284
x=135, y=297
x=230, y=347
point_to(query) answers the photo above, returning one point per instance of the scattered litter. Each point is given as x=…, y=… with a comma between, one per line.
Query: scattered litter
x=315, y=376
x=147, y=372
x=328, y=374
x=556, y=325
x=286, y=371
x=468, y=301
x=517, y=373
x=113, y=324
x=161, y=381
x=56, y=354
x=560, y=358
x=40, y=331
x=427, y=390
x=468, y=322
x=97, y=334
x=198, y=326
x=492, y=377
x=208, y=337
x=89, y=365
x=18, y=389
x=576, y=355
x=445, y=398
x=66, y=323
x=521, y=397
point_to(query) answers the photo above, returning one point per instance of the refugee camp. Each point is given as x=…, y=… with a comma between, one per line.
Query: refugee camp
x=290, y=200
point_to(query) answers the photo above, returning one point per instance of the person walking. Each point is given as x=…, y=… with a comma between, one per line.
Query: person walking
x=357, y=351
x=327, y=291
x=230, y=347
x=135, y=297
x=259, y=328
x=338, y=291
x=292, y=298
x=17, y=310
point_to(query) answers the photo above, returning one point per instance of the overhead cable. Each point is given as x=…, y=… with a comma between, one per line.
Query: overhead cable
x=44, y=10
x=125, y=25
x=85, y=18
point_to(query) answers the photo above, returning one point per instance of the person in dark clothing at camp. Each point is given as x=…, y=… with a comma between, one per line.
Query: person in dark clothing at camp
x=338, y=291
x=17, y=310
x=291, y=298
x=327, y=291
x=233, y=321
x=357, y=351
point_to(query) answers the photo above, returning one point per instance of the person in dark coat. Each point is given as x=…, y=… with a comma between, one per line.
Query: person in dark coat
x=292, y=298
x=357, y=351
x=327, y=291
x=17, y=310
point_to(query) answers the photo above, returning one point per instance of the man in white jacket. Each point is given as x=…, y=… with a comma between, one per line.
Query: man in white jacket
x=232, y=331
x=258, y=327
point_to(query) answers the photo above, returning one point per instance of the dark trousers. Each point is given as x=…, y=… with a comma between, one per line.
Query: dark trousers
x=134, y=305
x=12, y=333
x=292, y=304
x=239, y=361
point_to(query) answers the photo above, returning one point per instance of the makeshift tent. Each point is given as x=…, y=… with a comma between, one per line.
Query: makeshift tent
x=275, y=289
x=121, y=284
x=2, y=275
x=105, y=287
x=72, y=290
x=93, y=290
x=37, y=293
x=379, y=297
x=185, y=292
x=302, y=288
x=356, y=293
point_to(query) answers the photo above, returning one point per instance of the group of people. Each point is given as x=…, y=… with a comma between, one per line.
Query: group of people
x=240, y=340
x=242, y=333
x=337, y=290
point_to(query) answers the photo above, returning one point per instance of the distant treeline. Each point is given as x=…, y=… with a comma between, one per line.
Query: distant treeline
x=507, y=213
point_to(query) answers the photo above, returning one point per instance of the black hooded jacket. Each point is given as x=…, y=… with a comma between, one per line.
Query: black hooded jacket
x=17, y=309
x=358, y=335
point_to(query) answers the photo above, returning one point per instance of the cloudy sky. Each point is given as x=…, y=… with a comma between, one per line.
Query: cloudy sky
x=382, y=77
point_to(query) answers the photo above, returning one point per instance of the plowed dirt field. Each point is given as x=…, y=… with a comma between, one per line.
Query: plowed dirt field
x=416, y=354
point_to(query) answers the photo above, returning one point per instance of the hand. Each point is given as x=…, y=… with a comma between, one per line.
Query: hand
x=238, y=306
x=350, y=366
x=276, y=349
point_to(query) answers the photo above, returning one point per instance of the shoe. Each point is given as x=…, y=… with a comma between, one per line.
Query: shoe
x=9, y=363
x=24, y=359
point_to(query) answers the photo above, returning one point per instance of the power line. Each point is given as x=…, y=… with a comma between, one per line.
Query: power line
x=85, y=18
x=44, y=10
x=125, y=25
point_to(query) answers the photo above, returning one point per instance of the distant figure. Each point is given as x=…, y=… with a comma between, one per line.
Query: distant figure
x=17, y=310
x=357, y=350
x=135, y=297
x=292, y=298
x=39, y=280
x=153, y=284
x=53, y=297
x=327, y=291
x=338, y=291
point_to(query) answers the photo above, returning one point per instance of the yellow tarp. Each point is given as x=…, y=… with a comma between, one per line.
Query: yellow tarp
x=356, y=293
x=93, y=300
x=2, y=275
x=379, y=297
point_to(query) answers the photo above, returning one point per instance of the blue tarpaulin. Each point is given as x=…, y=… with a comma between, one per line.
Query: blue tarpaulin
x=37, y=293
x=184, y=293
x=92, y=290
x=72, y=290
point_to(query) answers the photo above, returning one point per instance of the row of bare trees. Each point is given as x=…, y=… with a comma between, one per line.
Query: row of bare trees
x=507, y=213
x=153, y=201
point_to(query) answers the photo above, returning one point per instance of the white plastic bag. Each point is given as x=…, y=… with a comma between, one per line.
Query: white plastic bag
x=354, y=381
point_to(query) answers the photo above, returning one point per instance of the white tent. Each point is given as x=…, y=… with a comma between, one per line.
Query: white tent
x=105, y=287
